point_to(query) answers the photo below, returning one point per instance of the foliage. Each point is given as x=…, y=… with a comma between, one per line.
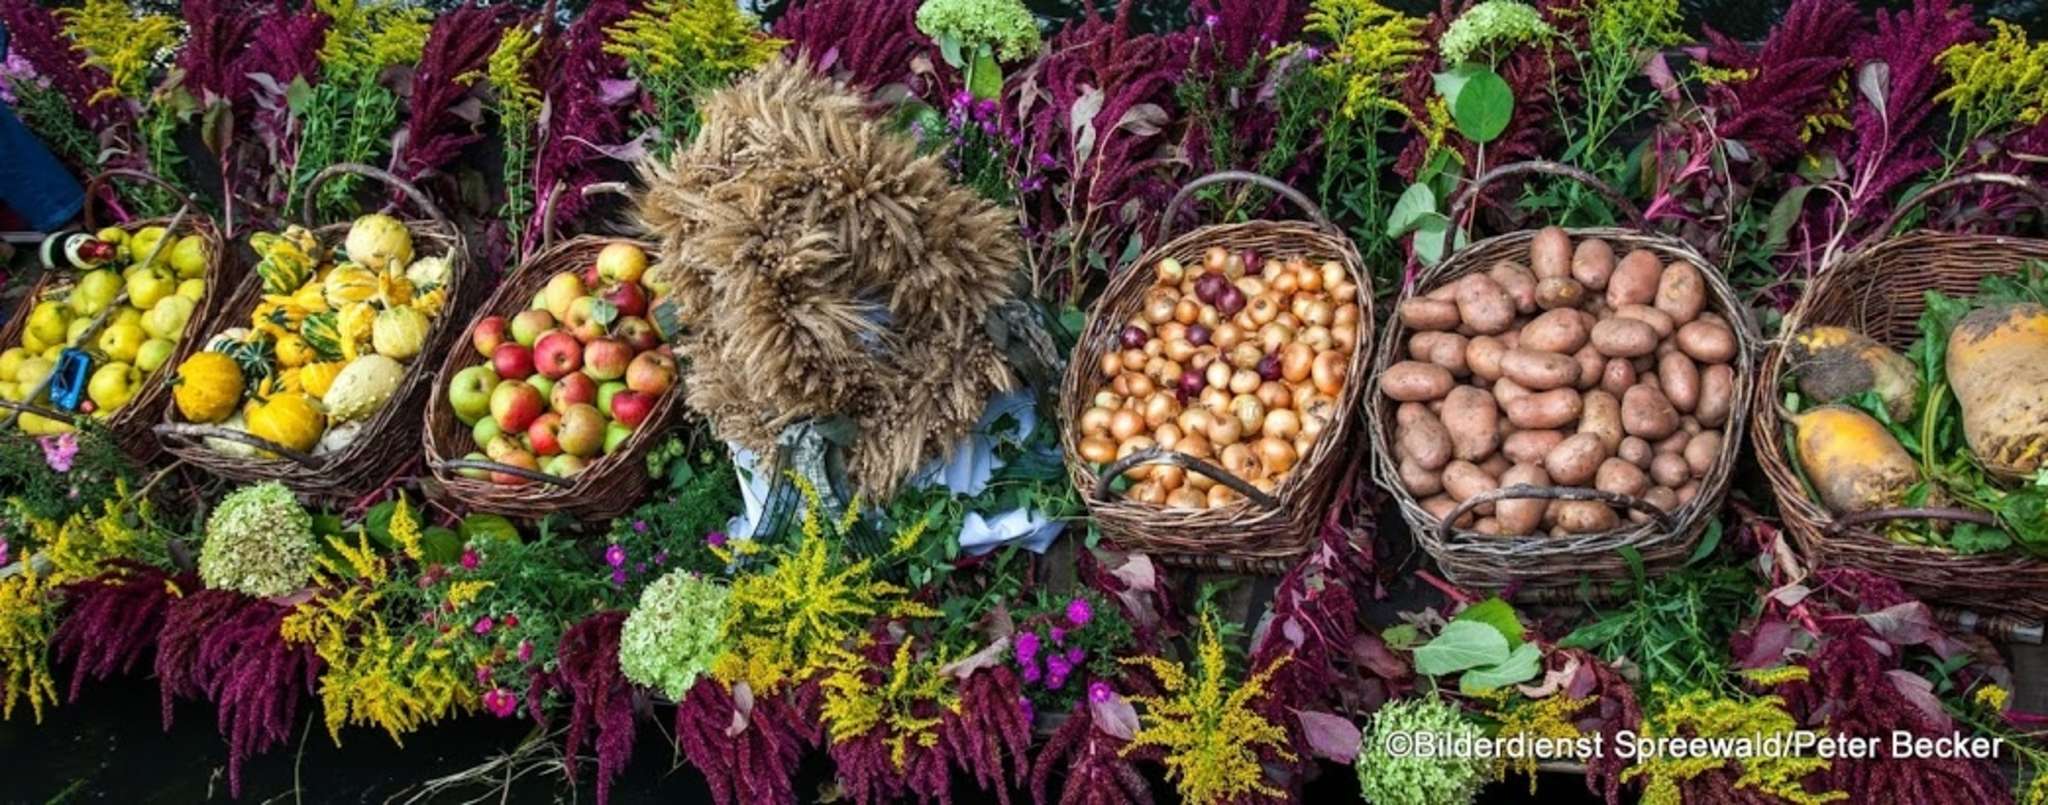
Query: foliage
x=350, y=115
x=126, y=44
x=1212, y=738
x=1995, y=85
x=882, y=718
x=671, y=638
x=678, y=48
x=227, y=648
x=1607, y=99
x=1389, y=774
x=111, y=620
x=584, y=120
x=1707, y=714
x=1062, y=643
x=1091, y=760
x=40, y=487
x=1674, y=628
x=757, y=761
x=518, y=103
x=36, y=33
x=27, y=614
x=259, y=542
x=586, y=669
x=866, y=43
x=681, y=526
x=438, y=124
x=1369, y=48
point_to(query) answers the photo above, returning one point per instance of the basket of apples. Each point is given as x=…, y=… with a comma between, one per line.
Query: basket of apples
x=93, y=338
x=564, y=385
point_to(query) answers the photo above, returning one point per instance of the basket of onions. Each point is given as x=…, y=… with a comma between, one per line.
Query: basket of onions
x=1209, y=399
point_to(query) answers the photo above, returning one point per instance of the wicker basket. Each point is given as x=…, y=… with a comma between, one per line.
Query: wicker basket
x=130, y=426
x=1262, y=533
x=1542, y=567
x=607, y=487
x=389, y=439
x=1878, y=290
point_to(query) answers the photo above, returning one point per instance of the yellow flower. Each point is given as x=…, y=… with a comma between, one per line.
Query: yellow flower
x=1773, y=677
x=122, y=42
x=908, y=702
x=1373, y=48
x=506, y=70
x=405, y=530
x=1542, y=718
x=1704, y=714
x=1208, y=730
x=26, y=619
x=1992, y=698
x=365, y=37
x=690, y=43
x=1995, y=83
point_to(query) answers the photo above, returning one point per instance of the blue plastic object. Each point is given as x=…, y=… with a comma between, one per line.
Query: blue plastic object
x=67, y=383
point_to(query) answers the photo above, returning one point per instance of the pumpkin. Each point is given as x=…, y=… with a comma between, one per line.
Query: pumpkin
x=400, y=332
x=377, y=241
x=355, y=323
x=316, y=378
x=293, y=351
x=207, y=387
x=288, y=419
x=430, y=272
x=363, y=387
x=348, y=284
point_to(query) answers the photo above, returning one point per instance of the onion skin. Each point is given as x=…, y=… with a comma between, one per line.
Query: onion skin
x=1133, y=338
x=1209, y=287
x=1095, y=421
x=1230, y=301
x=1171, y=272
x=1297, y=362
x=1097, y=450
x=1269, y=368
x=1198, y=335
x=1328, y=372
x=1191, y=384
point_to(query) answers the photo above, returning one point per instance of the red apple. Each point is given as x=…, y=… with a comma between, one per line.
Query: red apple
x=515, y=405
x=628, y=297
x=592, y=277
x=651, y=373
x=621, y=262
x=582, y=430
x=489, y=333
x=528, y=325
x=573, y=388
x=606, y=358
x=512, y=361
x=632, y=407
x=516, y=458
x=563, y=289
x=557, y=354
x=605, y=392
x=637, y=332
x=589, y=317
x=542, y=434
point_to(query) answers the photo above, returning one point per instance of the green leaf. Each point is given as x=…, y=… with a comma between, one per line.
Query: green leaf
x=477, y=527
x=1498, y=614
x=440, y=545
x=1973, y=538
x=949, y=49
x=1784, y=214
x=1520, y=666
x=377, y=521
x=1132, y=250
x=298, y=95
x=984, y=75
x=1430, y=236
x=1481, y=101
x=1461, y=645
x=1401, y=636
x=1415, y=204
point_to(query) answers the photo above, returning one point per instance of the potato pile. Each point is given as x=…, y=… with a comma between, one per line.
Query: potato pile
x=1237, y=361
x=1576, y=370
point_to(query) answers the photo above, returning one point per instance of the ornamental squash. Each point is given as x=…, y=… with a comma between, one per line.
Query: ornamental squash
x=363, y=387
x=288, y=419
x=254, y=357
x=393, y=289
x=431, y=302
x=348, y=284
x=428, y=273
x=322, y=336
x=230, y=447
x=293, y=351
x=284, y=266
x=228, y=339
x=207, y=387
x=316, y=378
x=379, y=241
x=400, y=332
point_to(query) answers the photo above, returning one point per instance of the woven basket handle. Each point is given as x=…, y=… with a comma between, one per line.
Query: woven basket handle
x=1160, y=455
x=1279, y=188
x=493, y=466
x=99, y=180
x=1546, y=168
x=191, y=433
x=408, y=189
x=1854, y=519
x=1529, y=492
x=1913, y=202
x=548, y=206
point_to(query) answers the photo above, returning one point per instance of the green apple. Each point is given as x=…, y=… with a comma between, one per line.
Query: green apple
x=469, y=393
x=10, y=362
x=144, y=241
x=146, y=287
x=167, y=318
x=188, y=257
x=32, y=373
x=485, y=430
x=542, y=382
x=193, y=289
x=564, y=466
x=48, y=322
x=615, y=434
x=605, y=391
x=76, y=329
x=121, y=341
x=154, y=353
x=113, y=385
x=95, y=290
x=472, y=472
x=126, y=315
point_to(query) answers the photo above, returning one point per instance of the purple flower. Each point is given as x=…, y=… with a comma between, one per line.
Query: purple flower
x=615, y=556
x=618, y=577
x=4, y=550
x=59, y=450
x=483, y=675
x=1211, y=21
x=1100, y=691
x=661, y=557
x=1075, y=655
x=469, y=559
x=639, y=526
x=1024, y=706
x=1056, y=670
x=1027, y=646
x=483, y=625
x=1059, y=635
x=639, y=567
x=501, y=702
x=1030, y=673
x=715, y=539
x=526, y=651
x=1078, y=612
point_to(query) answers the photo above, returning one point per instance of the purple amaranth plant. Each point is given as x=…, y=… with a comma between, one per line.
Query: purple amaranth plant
x=284, y=47
x=988, y=726
x=218, y=33
x=443, y=115
x=581, y=141
x=1233, y=86
x=112, y=620
x=602, y=700
x=1764, y=97
x=1089, y=755
x=34, y=32
x=747, y=749
x=866, y=43
x=226, y=648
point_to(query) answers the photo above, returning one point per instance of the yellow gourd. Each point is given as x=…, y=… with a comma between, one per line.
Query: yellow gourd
x=348, y=284
x=399, y=332
x=289, y=419
x=292, y=351
x=316, y=378
x=207, y=387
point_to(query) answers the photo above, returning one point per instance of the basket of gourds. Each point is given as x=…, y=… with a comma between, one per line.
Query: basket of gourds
x=1208, y=403
x=1903, y=419
x=561, y=388
x=133, y=299
x=318, y=384
x=1546, y=403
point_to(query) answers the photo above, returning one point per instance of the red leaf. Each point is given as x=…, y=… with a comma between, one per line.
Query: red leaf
x=1331, y=737
x=1115, y=717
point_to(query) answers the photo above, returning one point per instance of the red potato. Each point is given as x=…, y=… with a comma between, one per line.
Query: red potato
x=1617, y=376
x=1429, y=314
x=1657, y=319
x=1544, y=410
x=1539, y=371
x=1717, y=395
x=1483, y=355
x=1583, y=516
x=1707, y=342
x=1522, y=515
x=1687, y=492
x=1591, y=366
x=1415, y=381
x=1559, y=331
x=1646, y=413
x=1473, y=420
x=1593, y=263
x=1506, y=392
x=1448, y=351
x=1660, y=497
x=1679, y=379
x=1670, y=470
x=1551, y=253
x=1484, y=305
x=1440, y=506
x=1681, y=291
x=1530, y=446
x=1495, y=464
x=1601, y=417
x=1518, y=282
x=1635, y=279
x=1624, y=338
x=1675, y=443
x=1576, y=460
x=1420, y=344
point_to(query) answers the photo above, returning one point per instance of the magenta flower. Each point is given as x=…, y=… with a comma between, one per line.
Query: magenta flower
x=1056, y=670
x=619, y=577
x=483, y=675
x=4, y=551
x=1024, y=706
x=639, y=526
x=715, y=539
x=483, y=625
x=1059, y=635
x=58, y=451
x=501, y=702
x=526, y=651
x=1079, y=613
x=470, y=559
x=1027, y=646
x=1075, y=655
x=1100, y=691
x=615, y=556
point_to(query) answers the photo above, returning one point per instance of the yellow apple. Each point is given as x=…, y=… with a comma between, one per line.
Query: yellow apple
x=31, y=373
x=7, y=389
x=188, y=258
x=112, y=234
x=193, y=289
x=48, y=322
x=120, y=341
x=126, y=315
x=77, y=328
x=95, y=290
x=167, y=319
x=34, y=425
x=144, y=239
x=10, y=362
x=154, y=353
x=113, y=385
x=148, y=286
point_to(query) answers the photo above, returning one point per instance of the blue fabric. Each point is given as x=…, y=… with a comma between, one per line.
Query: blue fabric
x=32, y=182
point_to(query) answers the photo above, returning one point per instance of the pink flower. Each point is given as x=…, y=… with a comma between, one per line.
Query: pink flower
x=1075, y=655
x=469, y=559
x=526, y=651
x=58, y=451
x=1030, y=673
x=1056, y=670
x=639, y=526
x=715, y=539
x=1078, y=612
x=3, y=551
x=483, y=675
x=501, y=702
x=1059, y=635
x=1027, y=646
x=615, y=556
x=483, y=625
x=1100, y=691
x=1024, y=706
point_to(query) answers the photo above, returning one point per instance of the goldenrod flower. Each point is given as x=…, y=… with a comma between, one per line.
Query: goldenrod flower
x=1208, y=729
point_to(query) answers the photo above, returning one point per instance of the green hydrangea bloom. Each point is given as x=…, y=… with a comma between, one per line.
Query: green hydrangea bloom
x=672, y=636
x=1396, y=772
x=1490, y=27
x=258, y=542
x=1005, y=27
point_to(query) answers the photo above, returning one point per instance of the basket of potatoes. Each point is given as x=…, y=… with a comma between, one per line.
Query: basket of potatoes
x=1208, y=402
x=1545, y=398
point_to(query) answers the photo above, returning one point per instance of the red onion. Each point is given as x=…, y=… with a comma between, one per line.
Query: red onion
x=1210, y=287
x=1191, y=383
x=1230, y=301
x=1198, y=335
x=1133, y=337
x=1269, y=368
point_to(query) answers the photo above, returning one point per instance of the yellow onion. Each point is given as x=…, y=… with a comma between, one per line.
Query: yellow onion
x=1282, y=423
x=1244, y=381
x=1168, y=476
x=1276, y=455
x=1334, y=275
x=1317, y=415
x=1226, y=336
x=1171, y=272
x=1241, y=461
x=1216, y=400
x=1194, y=419
x=1320, y=312
x=1344, y=337
x=1346, y=314
x=1310, y=280
x=1186, y=498
x=1148, y=493
x=1287, y=318
x=1215, y=258
x=1167, y=435
x=1286, y=282
x=1112, y=364
x=1233, y=266
x=1263, y=308
x=1124, y=424
x=1108, y=399
x=1196, y=444
x=1097, y=450
x=1141, y=385
x=1318, y=336
x=1218, y=375
x=1246, y=356
x=1344, y=291
x=1296, y=362
x=1160, y=409
x=1133, y=445
x=1221, y=496
x=1210, y=318
x=1274, y=336
x=1304, y=395
x=1226, y=431
x=1275, y=394
x=1095, y=421
x=1251, y=286
x=1266, y=484
x=1328, y=372
x=1249, y=412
